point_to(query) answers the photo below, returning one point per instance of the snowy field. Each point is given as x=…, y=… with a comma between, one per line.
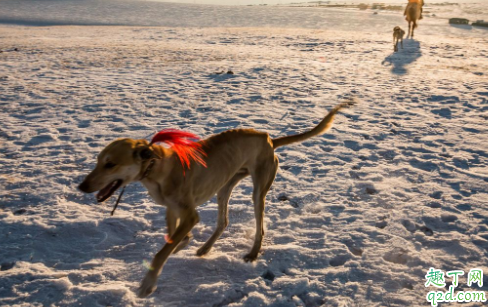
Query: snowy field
x=355, y=217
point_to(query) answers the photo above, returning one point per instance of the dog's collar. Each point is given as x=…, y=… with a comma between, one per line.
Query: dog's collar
x=144, y=175
x=148, y=169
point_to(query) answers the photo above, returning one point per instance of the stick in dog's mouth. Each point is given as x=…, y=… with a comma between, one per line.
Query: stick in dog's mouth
x=107, y=191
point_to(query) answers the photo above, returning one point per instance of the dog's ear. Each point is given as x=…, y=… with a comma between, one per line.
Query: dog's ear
x=145, y=153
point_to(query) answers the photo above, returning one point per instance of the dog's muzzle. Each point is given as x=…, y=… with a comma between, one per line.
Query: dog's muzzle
x=84, y=187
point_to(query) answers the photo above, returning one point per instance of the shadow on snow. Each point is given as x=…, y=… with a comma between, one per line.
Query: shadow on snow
x=399, y=60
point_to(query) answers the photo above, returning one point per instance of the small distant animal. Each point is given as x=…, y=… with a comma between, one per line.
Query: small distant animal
x=398, y=35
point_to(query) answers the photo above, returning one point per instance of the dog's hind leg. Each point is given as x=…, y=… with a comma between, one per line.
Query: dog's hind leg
x=223, y=197
x=263, y=176
x=183, y=243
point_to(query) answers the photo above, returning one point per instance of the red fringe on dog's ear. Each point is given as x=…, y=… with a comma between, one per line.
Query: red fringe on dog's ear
x=184, y=144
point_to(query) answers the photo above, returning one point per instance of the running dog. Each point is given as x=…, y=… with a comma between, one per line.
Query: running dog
x=188, y=173
x=398, y=35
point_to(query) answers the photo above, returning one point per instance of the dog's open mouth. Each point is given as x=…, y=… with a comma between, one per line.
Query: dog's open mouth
x=107, y=191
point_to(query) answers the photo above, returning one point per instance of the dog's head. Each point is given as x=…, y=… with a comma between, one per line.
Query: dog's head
x=397, y=31
x=118, y=164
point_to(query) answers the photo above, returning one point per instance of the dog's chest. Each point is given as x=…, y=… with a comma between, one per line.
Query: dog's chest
x=159, y=196
x=154, y=191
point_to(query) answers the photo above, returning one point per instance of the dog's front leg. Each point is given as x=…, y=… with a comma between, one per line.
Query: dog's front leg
x=189, y=218
x=172, y=222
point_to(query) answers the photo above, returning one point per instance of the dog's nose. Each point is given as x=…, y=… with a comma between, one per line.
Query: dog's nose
x=84, y=187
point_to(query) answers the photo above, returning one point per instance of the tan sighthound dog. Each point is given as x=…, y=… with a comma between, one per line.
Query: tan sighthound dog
x=228, y=157
x=398, y=35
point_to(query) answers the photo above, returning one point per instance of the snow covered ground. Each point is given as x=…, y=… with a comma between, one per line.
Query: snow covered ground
x=355, y=217
x=150, y=13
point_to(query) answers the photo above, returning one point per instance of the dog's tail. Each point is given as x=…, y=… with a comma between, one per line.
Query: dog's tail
x=321, y=128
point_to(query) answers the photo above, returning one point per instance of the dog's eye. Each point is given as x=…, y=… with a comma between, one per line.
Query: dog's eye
x=109, y=165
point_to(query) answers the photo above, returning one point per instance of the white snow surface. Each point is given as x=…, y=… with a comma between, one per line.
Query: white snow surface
x=355, y=217
x=151, y=13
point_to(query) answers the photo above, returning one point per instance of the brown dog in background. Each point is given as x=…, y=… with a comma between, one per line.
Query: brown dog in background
x=217, y=163
x=398, y=35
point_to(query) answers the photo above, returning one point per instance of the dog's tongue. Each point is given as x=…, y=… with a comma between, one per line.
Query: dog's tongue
x=106, y=192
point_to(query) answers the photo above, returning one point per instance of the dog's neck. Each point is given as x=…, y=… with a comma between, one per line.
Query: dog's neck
x=164, y=177
x=161, y=168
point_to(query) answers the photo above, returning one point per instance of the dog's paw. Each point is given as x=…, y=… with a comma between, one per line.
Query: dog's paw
x=351, y=101
x=147, y=287
x=182, y=244
x=203, y=250
x=250, y=257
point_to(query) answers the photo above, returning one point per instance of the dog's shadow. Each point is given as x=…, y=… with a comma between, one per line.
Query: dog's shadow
x=80, y=253
x=67, y=249
x=400, y=60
